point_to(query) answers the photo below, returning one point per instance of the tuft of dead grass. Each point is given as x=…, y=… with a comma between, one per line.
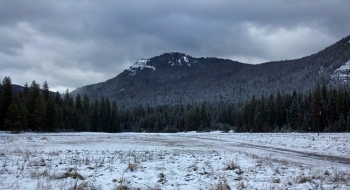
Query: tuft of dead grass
x=122, y=184
x=85, y=185
x=232, y=166
x=131, y=167
x=339, y=177
x=304, y=179
x=162, y=178
x=223, y=185
x=72, y=174
x=241, y=185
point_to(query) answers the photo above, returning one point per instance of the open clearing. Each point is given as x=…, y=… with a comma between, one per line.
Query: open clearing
x=174, y=161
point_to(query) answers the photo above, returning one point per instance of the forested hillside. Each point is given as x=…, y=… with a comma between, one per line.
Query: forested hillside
x=176, y=78
x=33, y=108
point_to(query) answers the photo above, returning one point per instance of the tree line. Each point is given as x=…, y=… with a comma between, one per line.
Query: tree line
x=36, y=108
x=323, y=109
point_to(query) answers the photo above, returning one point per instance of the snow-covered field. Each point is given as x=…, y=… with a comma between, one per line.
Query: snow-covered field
x=174, y=161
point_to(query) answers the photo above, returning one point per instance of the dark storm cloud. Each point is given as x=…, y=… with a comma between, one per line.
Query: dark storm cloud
x=74, y=43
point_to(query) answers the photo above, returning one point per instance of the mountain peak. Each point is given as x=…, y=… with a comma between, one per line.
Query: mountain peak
x=166, y=59
x=174, y=59
x=179, y=59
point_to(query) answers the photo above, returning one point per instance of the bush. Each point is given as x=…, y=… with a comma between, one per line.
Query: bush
x=224, y=127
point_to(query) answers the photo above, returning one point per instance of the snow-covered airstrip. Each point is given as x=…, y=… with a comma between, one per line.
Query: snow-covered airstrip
x=174, y=161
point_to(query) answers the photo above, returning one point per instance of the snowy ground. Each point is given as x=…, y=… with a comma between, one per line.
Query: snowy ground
x=174, y=161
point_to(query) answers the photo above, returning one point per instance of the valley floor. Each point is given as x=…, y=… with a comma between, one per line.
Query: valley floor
x=174, y=161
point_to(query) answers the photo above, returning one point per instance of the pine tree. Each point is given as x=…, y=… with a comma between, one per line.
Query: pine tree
x=341, y=126
x=6, y=99
x=317, y=108
x=39, y=114
x=51, y=116
x=102, y=115
x=16, y=117
x=293, y=114
x=341, y=102
x=157, y=127
x=25, y=89
x=115, y=118
x=86, y=113
x=95, y=117
x=46, y=91
x=12, y=120
x=86, y=105
x=78, y=114
x=108, y=120
x=348, y=125
x=78, y=103
x=69, y=112
x=279, y=111
x=59, y=106
x=204, y=118
x=24, y=94
x=333, y=113
x=34, y=93
x=270, y=112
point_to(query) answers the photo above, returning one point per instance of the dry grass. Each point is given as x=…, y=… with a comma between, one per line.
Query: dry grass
x=241, y=185
x=304, y=179
x=122, y=184
x=36, y=174
x=232, y=166
x=162, y=178
x=131, y=167
x=223, y=185
x=71, y=173
x=193, y=167
x=85, y=185
x=327, y=173
x=340, y=177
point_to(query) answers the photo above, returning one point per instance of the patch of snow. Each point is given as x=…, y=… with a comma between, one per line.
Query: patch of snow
x=185, y=59
x=139, y=65
x=321, y=70
x=343, y=72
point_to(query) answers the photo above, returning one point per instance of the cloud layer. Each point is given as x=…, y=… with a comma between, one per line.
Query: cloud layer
x=74, y=43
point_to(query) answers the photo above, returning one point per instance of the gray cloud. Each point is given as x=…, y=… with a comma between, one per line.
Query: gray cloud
x=75, y=43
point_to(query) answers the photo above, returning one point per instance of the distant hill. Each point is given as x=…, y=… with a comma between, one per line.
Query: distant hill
x=16, y=88
x=177, y=78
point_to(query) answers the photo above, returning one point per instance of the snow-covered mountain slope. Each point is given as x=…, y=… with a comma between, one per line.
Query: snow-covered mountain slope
x=343, y=73
x=167, y=59
x=139, y=65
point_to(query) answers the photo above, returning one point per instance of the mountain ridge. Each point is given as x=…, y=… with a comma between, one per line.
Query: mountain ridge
x=177, y=78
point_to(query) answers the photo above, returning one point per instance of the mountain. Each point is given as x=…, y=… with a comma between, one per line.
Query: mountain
x=16, y=88
x=177, y=78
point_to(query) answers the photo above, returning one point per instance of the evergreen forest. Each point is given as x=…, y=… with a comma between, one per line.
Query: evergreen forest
x=36, y=108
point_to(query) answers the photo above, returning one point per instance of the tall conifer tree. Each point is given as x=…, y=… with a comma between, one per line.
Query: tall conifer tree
x=6, y=99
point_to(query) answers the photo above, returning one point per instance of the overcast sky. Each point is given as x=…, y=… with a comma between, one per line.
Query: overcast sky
x=71, y=43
